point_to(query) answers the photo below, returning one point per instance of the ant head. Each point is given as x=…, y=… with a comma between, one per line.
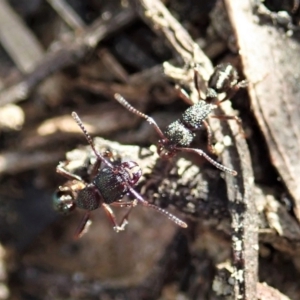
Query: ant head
x=166, y=149
x=132, y=170
x=64, y=198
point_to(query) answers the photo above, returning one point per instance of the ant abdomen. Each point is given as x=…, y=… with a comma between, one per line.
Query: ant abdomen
x=181, y=132
x=88, y=198
x=224, y=78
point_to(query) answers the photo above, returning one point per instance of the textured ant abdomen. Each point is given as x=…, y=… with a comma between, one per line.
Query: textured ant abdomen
x=88, y=198
x=193, y=117
x=223, y=79
x=110, y=185
x=178, y=134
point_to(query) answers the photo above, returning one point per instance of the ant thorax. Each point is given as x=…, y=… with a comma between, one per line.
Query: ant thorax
x=181, y=132
x=193, y=117
x=109, y=183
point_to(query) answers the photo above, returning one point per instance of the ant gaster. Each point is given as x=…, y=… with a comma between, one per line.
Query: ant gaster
x=179, y=135
x=223, y=80
x=107, y=186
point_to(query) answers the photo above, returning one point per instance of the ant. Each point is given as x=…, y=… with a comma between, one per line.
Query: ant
x=179, y=134
x=106, y=187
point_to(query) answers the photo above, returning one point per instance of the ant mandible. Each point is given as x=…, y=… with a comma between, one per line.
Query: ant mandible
x=179, y=134
x=106, y=187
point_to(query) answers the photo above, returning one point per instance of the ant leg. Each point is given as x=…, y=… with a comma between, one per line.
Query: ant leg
x=83, y=226
x=295, y=6
x=183, y=95
x=158, y=209
x=208, y=158
x=60, y=169
x=97, y=164
x=110, y=214
x=95, y=168
x=237, y=119
x=124, y=220
x=209, y=137
x=130, y=108
x=233, y=90
x=199, y=83
x=122, y=204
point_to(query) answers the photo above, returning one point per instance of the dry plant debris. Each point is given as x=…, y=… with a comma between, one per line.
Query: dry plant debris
x=243, y=236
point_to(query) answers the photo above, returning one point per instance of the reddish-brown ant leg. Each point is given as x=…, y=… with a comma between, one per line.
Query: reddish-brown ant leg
x=122, y=204
x=295, y=6
x=81, y=229
x=60, y=169
x=183, y=95
x=234, y=89
x=110, y=214
x=237, y=119
x=124, y=220
x=98, y=162
x=95, y=168
x=197, y=82
x=209, y=137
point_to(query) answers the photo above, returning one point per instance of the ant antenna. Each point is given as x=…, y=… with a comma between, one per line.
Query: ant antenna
x=158, y=209
x=90, y=140
x=151, y=121
x=197, y=82
x=208, y=158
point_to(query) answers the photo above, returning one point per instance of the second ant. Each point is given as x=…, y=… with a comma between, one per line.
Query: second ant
x=178, y=136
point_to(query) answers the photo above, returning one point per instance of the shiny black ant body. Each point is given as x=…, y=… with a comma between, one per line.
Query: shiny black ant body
x=179, y=135
x=224, y=79
x=107, y=185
